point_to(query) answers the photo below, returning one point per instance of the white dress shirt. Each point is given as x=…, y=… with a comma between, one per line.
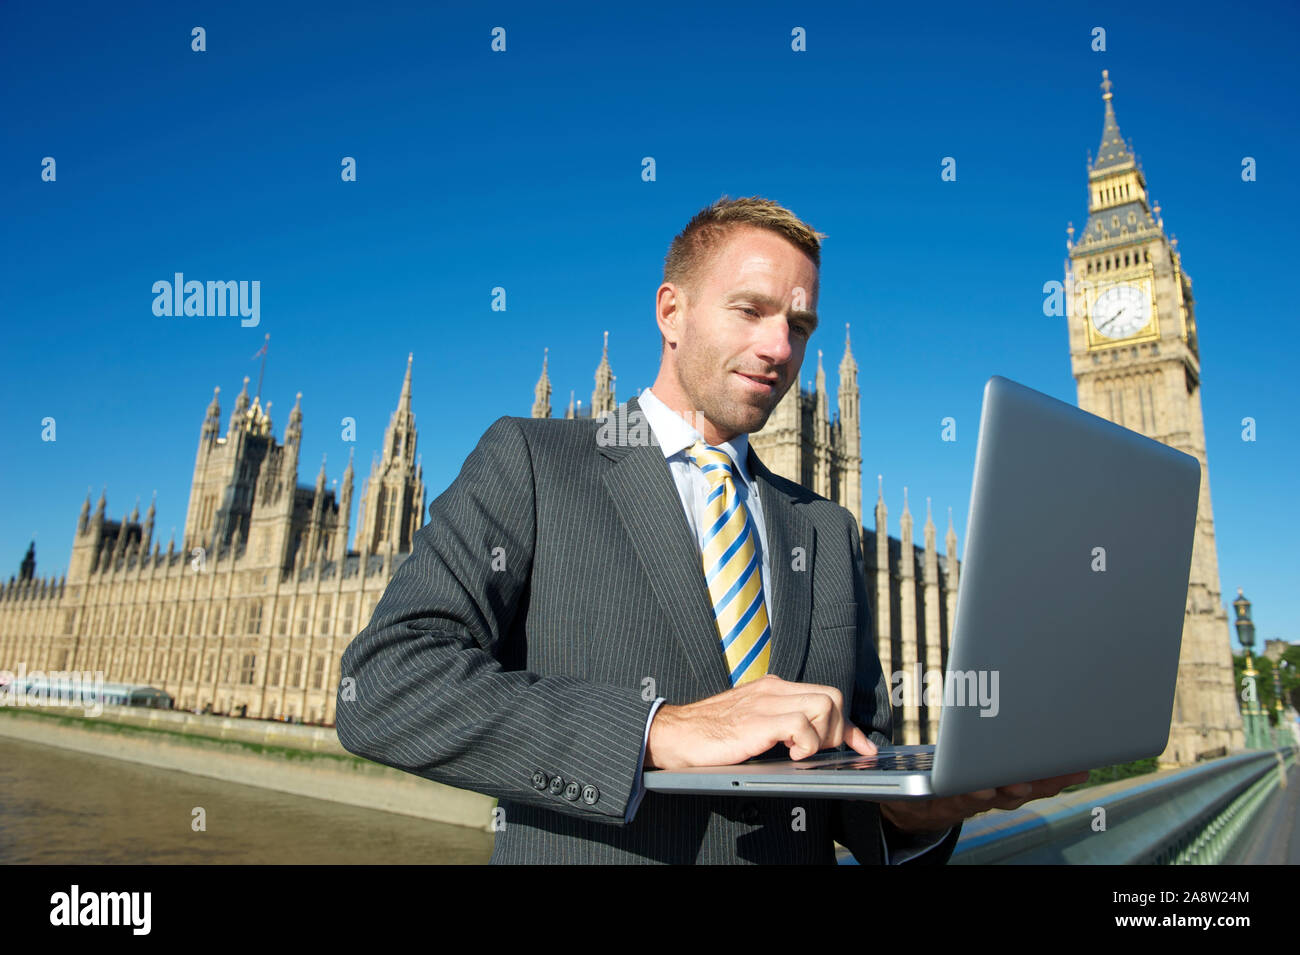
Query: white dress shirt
x=675, y=435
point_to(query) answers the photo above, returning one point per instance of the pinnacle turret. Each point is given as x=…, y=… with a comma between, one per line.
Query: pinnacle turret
x=542, y=392
x=602, y=398
x=848, y=366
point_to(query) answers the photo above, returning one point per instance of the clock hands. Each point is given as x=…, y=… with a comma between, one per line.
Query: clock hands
x=1111, y=319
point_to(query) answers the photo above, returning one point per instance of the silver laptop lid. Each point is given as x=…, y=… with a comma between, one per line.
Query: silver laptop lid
x=1073, y=589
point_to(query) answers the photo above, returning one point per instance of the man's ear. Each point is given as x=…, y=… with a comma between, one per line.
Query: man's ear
x=677, y=316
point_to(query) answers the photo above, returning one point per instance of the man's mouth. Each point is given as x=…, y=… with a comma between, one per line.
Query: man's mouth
x=762, y=384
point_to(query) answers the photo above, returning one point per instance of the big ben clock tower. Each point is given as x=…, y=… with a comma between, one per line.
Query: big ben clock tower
x=1134, y=357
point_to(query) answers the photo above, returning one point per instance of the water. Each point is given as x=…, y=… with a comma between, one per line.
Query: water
x=58, y=806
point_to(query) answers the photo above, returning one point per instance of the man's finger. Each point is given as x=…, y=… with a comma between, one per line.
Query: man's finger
x=858, y=740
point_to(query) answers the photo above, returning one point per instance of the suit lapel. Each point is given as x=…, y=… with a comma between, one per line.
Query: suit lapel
x=641, y=486
x=791, y=543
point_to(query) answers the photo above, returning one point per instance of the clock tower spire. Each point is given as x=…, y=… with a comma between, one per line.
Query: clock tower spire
x=1135, y=361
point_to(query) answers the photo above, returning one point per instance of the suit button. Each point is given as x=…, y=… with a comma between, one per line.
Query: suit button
x=572, y=790
x=539, y=780
x=557, y=785
x=749, y=813
x=590, y=794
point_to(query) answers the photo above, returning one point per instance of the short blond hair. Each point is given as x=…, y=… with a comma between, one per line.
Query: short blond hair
x=692, y=251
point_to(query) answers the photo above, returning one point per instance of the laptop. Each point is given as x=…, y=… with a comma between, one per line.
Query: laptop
x=1069, y=619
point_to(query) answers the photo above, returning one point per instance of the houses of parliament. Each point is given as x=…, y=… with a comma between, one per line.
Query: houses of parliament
x=250, y=614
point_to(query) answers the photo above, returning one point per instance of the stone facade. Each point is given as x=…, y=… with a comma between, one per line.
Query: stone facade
x=251, y=615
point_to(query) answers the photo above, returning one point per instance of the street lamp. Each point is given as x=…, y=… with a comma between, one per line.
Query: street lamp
x=1251, y=712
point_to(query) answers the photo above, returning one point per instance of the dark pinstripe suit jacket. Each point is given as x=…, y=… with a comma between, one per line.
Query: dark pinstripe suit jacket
x=555, y=592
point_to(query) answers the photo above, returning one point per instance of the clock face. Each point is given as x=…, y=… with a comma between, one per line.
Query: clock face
x=1120, y=311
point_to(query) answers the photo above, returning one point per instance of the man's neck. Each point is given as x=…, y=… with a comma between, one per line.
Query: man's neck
x=678, y=403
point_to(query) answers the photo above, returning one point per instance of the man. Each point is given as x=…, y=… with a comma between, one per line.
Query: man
x=596, y=597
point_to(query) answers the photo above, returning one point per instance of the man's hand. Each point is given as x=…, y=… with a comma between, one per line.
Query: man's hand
x=748, y=720
x=932, y=816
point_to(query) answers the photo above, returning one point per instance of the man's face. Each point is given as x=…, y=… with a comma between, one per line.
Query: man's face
x=735, y=348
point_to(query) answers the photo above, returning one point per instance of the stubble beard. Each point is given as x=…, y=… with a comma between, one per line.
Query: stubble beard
x=726, y=412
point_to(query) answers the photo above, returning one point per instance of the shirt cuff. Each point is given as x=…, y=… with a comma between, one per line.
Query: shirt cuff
x=638, y=789
x=906, y=853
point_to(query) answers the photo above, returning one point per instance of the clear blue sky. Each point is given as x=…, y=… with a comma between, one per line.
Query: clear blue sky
x=522, y=170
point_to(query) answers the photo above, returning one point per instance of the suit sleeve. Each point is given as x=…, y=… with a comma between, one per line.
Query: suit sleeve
x=859, y=824
x=423, y=687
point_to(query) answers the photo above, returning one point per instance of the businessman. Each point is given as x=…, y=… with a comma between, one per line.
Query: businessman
x=593, y=598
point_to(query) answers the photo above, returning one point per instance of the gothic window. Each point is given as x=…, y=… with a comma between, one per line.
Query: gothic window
x=347, y=615
x=249, y=668
x=318, y=672
x=189, y=666
x=295, y=671
x=207, y=668
x=255, y=617
x=304, y=616
x=274, y=679
x=325, y=615
x=282, y=619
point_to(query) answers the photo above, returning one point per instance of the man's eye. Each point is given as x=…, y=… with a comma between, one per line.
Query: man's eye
x=749, y=309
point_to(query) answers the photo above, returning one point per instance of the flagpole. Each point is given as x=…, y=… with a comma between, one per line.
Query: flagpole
x=265, y=348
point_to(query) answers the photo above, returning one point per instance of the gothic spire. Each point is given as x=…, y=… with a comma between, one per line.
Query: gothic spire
x=241, y=407
x=602, y=399
x=84, y=519
x=147, y=533
x=848, y=366
x=542, y=393
x=293, y=431
x=404, y=399
x=28, y=567
x=1113, y=152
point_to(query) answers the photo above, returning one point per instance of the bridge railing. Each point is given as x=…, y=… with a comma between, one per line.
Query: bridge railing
x=1177, y=816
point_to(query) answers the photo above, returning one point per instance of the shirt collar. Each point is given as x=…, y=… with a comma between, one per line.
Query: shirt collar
x=675, y=434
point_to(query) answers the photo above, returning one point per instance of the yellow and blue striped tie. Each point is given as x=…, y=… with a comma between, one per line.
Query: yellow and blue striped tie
x=732, y=569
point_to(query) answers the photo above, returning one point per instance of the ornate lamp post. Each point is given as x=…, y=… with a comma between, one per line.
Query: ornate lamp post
x=1252, y=714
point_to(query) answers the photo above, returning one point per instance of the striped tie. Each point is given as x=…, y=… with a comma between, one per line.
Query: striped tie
x=731, y=569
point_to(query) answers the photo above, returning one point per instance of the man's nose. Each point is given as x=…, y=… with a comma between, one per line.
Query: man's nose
x=774, y=342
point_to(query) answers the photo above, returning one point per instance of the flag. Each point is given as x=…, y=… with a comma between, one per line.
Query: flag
x=262, y=350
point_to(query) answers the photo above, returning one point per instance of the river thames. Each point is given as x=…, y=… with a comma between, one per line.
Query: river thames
x=59, y=806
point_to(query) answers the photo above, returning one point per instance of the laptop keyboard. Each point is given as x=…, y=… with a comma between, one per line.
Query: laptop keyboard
x=893, y=761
